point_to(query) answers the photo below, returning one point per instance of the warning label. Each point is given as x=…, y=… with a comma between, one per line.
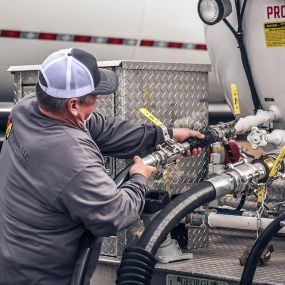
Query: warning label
x=274, y=34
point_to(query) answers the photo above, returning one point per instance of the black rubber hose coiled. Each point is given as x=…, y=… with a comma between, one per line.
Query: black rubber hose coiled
x=138, y=262
x=258, y=248
x=136, y=268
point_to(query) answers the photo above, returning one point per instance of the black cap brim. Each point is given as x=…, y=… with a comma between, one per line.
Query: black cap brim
x=108, y=83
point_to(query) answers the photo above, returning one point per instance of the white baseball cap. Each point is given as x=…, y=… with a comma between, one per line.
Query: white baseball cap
x=73, y=72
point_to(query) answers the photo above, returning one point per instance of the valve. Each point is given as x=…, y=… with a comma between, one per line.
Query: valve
x=170, y=152
x=257, y=137
x=244, y=176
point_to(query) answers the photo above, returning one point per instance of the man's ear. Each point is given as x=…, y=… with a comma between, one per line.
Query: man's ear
x=73, y=106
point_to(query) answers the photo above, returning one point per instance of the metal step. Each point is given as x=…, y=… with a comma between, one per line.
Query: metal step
x=217, y=264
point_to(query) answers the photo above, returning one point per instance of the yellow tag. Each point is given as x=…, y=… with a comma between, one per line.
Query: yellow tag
x=8, y=130
x=235, y=99
x=277, y=162
x=260, y=194
x=219, y=148
x=150, y=117
x=229, y=195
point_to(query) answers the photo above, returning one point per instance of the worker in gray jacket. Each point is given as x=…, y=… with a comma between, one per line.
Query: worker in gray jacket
x=53, y=183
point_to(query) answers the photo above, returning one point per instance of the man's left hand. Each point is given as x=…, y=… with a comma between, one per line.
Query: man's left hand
x=182, y=134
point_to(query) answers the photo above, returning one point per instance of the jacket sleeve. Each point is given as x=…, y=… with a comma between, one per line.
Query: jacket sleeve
x=104, y=209
x=118, y=138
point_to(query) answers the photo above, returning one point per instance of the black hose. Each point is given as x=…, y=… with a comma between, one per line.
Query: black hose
x=243, y=9
x=80, y=267
x=258, y=248
x=136, y=267
x=241, y=203
x=229, y=151
x=244, y=57
x=138, y=262
x=123, y=176
x=173, y=213
x=239, y=19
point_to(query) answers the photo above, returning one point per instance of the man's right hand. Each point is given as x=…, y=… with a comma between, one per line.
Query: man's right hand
x=138, y=167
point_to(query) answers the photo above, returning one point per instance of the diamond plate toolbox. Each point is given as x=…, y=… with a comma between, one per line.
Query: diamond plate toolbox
x=176, y=93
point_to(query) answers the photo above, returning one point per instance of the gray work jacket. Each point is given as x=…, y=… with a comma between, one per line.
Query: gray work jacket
x=53, y=186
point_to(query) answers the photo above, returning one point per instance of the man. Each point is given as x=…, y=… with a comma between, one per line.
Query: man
x=54, y=184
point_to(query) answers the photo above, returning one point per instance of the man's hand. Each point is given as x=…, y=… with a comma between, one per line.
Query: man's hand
x=182, y=134
x=138, y=167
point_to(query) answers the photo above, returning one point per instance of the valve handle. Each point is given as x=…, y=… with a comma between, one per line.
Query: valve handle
x=195, y=142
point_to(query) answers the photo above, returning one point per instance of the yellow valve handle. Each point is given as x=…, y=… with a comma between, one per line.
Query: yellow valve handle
x=235, y=99
x=277, y=162
x=151, y=117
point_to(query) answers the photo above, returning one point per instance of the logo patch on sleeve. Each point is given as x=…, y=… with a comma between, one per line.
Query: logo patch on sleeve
x=8, y=130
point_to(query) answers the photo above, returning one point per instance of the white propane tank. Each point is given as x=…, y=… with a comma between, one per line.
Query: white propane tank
x=264, y=38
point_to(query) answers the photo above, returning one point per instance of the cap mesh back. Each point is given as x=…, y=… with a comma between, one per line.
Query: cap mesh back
x=79, y=77
x=56, y=75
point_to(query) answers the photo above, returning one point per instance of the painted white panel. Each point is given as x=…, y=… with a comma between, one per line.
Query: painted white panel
x=166, y=20
x=121, y=18
x=173, y=20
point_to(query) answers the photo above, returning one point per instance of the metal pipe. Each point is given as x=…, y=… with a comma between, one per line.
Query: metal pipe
x=261, y=117
x=237, y=222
